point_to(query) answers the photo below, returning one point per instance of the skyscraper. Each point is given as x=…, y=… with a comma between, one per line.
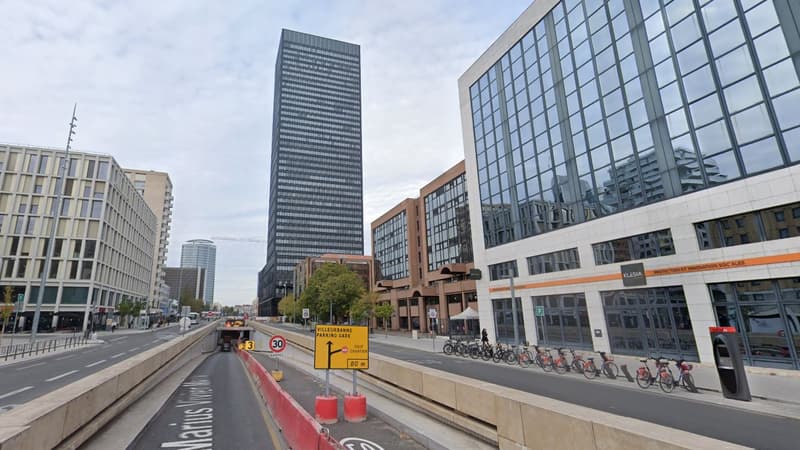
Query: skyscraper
x=315, y=195
x=201, y=253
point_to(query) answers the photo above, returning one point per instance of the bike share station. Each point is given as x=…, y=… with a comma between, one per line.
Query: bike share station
x=341, y=348
x=726, y=343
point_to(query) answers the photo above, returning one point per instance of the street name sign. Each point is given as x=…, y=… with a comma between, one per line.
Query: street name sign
x=341, y=347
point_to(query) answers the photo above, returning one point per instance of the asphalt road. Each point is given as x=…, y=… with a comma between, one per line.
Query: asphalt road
x=215, y=407
x=26, y=380
x=734, y=425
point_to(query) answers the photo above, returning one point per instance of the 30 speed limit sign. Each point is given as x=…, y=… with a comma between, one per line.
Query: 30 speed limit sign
x=277, y=344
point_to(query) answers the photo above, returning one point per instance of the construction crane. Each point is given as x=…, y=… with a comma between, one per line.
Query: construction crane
x=229, y=238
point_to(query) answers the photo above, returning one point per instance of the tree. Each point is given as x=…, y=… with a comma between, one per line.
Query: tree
x=384, y=312
x=332, y=286
x=125, y=308
x=290, y=307
x=6, y=309
x=195, y=304
x=361, y=309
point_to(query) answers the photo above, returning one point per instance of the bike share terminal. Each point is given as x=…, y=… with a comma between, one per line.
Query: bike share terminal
x=726, y=344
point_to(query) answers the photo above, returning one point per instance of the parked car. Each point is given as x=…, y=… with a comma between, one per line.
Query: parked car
x=226, y=346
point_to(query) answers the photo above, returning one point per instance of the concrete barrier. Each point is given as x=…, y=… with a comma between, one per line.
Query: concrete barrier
x=56, y=419
x=521, y=419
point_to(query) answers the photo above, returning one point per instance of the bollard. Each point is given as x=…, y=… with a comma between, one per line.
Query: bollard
x=355, y=408
x=326, y=409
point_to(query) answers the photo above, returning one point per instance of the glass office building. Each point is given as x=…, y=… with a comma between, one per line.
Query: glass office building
x=633, y=129
x=315, y=192
x=202, y=253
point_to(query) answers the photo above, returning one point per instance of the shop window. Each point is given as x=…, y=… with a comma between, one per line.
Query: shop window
x=565, y=322
x=503, y=320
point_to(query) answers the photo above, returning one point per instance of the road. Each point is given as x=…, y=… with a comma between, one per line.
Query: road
x=215, y=407
x=728, y=424
x=26, y=380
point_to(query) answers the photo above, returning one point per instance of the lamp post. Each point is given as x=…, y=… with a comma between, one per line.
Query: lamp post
x=53, y=226
x=513, y=307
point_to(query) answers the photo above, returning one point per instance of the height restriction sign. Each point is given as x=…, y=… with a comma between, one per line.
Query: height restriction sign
x=341, y=347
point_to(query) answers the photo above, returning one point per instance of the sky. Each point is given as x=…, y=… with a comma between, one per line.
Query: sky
x=185, y=87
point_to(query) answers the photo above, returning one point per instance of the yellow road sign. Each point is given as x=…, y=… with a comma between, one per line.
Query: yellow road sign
x=247, y=345
x=341, y=347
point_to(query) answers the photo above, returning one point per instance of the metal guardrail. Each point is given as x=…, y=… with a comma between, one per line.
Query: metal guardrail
x=22, y=351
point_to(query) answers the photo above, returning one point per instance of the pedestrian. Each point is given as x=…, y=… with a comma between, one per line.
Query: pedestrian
x=484, y=337
x=113, y=326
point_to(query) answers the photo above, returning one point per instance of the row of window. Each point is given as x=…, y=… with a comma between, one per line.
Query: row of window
x=780, y=222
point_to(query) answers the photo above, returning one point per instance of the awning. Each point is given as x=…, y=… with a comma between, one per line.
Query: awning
x=467, y=314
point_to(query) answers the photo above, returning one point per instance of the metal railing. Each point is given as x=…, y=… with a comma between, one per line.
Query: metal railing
x=22, y=351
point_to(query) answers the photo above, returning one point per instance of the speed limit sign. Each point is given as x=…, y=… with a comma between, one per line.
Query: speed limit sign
x=277, y=344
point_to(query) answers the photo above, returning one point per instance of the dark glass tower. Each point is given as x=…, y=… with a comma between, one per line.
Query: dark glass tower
x=315, y=192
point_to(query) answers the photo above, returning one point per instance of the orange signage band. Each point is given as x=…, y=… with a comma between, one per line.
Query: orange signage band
x=718, y=265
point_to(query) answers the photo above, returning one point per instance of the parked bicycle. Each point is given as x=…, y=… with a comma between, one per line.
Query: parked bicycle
x=560, y=361
x=685, y=378
x=577, y=365
x=524, y=356
x=663, y=376
x=609, y=367
x=543, y=358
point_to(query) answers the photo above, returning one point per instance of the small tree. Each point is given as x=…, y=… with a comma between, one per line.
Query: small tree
x=361, y=309
x=384, y=312
x=6, y=309
x=332, y=286
x=289, y=307
x=125, y=309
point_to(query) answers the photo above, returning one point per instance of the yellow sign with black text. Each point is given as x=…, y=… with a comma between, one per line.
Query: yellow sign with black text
x=247, y=345
x=341, y=347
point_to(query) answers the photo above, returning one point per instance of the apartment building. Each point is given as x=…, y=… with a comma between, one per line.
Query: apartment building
x=104, y=242
x=156, y=188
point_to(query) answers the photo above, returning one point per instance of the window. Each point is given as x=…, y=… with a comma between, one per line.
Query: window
x=504, y=320
x=554, y=262
x=767, y=315
x=90, y=168
x=501, y=270
x=780, y=222
x=642, y=246
x=565, y=322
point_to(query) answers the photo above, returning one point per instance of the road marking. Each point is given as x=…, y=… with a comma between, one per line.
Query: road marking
x=134, y=349
x=65, y=374
x=118, y=339
x=96, y=363
x=6, y=408
x=9, y=394
x=354, y=443
x=65, y=357
x=117, y=355
x=28, y=367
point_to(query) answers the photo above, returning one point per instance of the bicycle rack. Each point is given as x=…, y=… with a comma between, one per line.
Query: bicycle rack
x=624, y=369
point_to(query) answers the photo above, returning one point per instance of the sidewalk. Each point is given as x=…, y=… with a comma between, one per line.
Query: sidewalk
x=757, y=405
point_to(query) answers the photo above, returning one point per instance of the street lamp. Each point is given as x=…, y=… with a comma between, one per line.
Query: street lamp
x=510, y=277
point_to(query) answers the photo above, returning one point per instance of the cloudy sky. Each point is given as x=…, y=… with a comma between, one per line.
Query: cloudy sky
x=185, y=87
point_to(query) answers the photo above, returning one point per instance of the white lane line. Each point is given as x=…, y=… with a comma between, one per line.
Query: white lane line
x=117, y=355
x=118, y=339
x=134, y=349
x=65, y=357
x=65, y=374
x=28, y=367
x=96, y=363
x=9, y=394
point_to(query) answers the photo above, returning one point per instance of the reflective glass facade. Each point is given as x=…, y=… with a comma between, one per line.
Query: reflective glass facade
x=315, y=195
x=391, y=248
x=606, y=106
x=767, y=315
x=448, y=227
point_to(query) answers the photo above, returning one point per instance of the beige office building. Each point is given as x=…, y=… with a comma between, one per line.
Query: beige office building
x=156, y=188
x=104, y=243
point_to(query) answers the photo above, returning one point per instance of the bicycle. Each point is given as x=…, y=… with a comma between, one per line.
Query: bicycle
x=577, y=363
x=543, y=358
x=560, y=362
x=524, y=356
x=609, y=367
x=645, y=378
x=449, y=347
x=685, y=378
